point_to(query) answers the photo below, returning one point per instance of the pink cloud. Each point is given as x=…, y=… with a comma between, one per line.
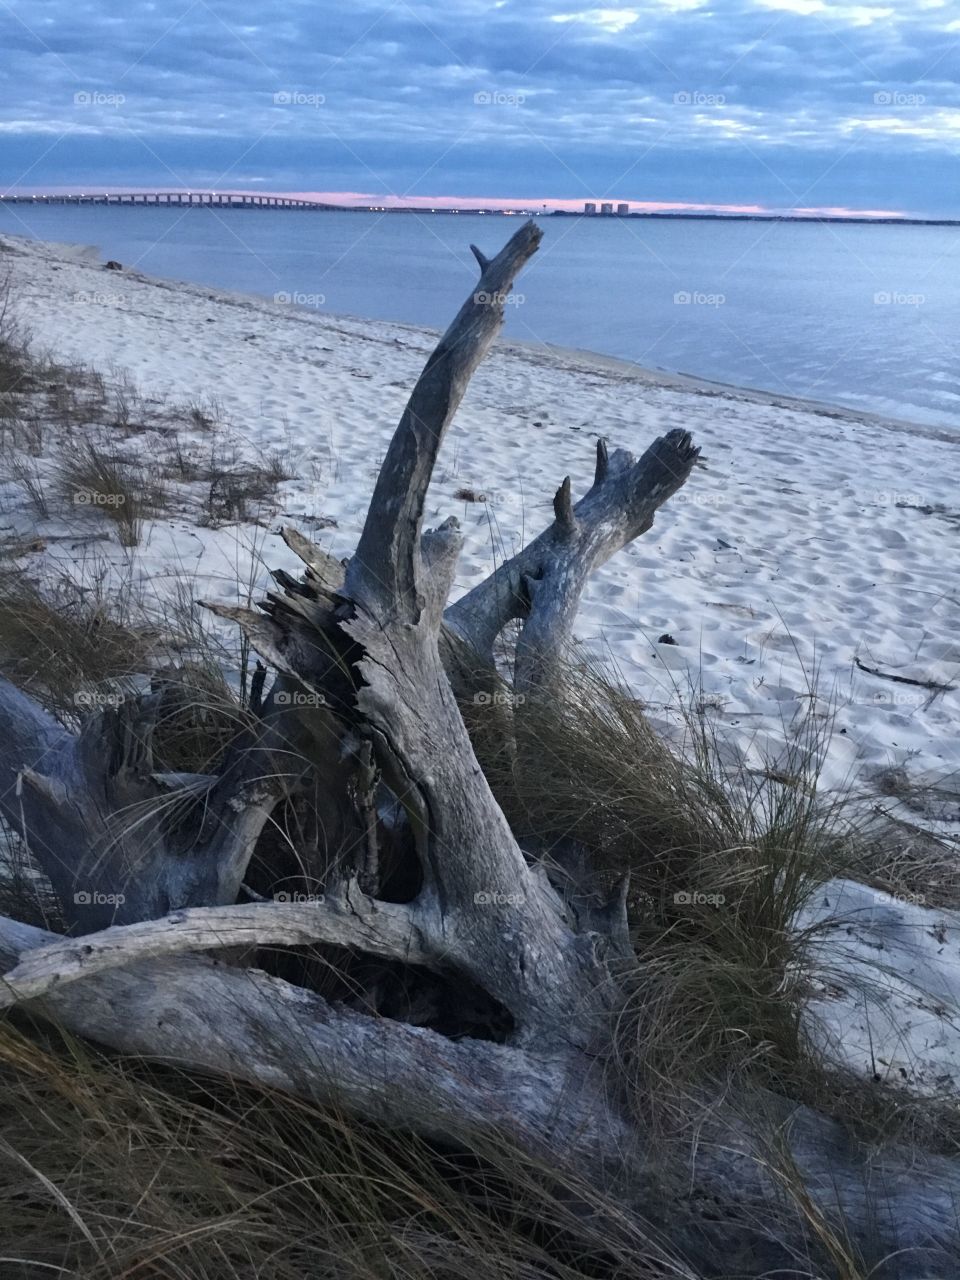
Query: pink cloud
x=358, y=198
x=362, y=199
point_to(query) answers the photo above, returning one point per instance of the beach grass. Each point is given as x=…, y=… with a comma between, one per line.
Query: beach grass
x=97, y=479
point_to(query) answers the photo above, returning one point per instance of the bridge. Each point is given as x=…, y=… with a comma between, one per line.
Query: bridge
x=174, y=199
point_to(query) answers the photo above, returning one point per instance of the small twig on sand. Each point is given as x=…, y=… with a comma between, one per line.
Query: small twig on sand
x=922, y=684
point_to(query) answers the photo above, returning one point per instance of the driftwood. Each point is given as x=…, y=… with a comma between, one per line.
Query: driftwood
x=155, y=958
x=543, y=583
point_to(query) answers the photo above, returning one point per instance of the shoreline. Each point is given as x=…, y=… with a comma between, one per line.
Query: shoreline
x=697, y=385
x=810, y=539
x=573, y=358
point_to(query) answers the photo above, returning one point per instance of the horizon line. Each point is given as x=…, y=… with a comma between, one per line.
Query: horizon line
x=355, y=199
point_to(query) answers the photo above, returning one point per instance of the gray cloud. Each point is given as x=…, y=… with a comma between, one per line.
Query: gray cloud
x=769, y=95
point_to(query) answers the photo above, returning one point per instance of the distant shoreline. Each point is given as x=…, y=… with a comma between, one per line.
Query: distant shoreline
x=245, y=201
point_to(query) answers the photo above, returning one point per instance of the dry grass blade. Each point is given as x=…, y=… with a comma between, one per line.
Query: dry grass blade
x=719, y=864
x=94, y=479
x=24, y=471
x=136, y=1173
x=67, y=645
x=16, y=364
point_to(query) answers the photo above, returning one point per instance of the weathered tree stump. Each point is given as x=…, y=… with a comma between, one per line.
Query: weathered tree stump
x=376, y=645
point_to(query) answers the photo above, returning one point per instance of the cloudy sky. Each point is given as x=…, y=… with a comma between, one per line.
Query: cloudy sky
x=779, y=104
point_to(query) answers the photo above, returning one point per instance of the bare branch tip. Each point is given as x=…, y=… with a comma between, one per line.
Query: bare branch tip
x=563, y=507
x=681, y=443
x=603, y=462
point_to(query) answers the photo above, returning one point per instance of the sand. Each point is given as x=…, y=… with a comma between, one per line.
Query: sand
x=810, y=539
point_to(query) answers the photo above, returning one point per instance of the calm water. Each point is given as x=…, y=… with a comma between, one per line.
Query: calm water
x=866, y=316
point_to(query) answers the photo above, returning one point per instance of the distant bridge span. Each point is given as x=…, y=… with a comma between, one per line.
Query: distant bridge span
x=176, y=199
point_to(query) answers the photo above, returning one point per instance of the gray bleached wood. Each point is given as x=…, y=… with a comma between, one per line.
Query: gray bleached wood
x=197, y=1012
x=91, y=811
x=383, y=571
x=348, y=919
x=721, y=1202
x=543, y=583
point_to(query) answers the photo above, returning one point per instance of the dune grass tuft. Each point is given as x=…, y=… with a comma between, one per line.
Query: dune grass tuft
x=110, y=1168
x=16, y=362
x=720, y=857
x=95, y=478
x=67, y=644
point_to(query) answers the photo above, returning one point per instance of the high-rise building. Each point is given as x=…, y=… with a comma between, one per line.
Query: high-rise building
x=589, y=207
x=606, y=208
x=623, y=210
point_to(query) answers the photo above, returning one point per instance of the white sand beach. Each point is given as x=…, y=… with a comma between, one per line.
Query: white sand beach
x=809, y=539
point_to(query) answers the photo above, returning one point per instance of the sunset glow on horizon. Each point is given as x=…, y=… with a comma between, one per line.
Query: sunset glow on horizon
x=472, y=204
